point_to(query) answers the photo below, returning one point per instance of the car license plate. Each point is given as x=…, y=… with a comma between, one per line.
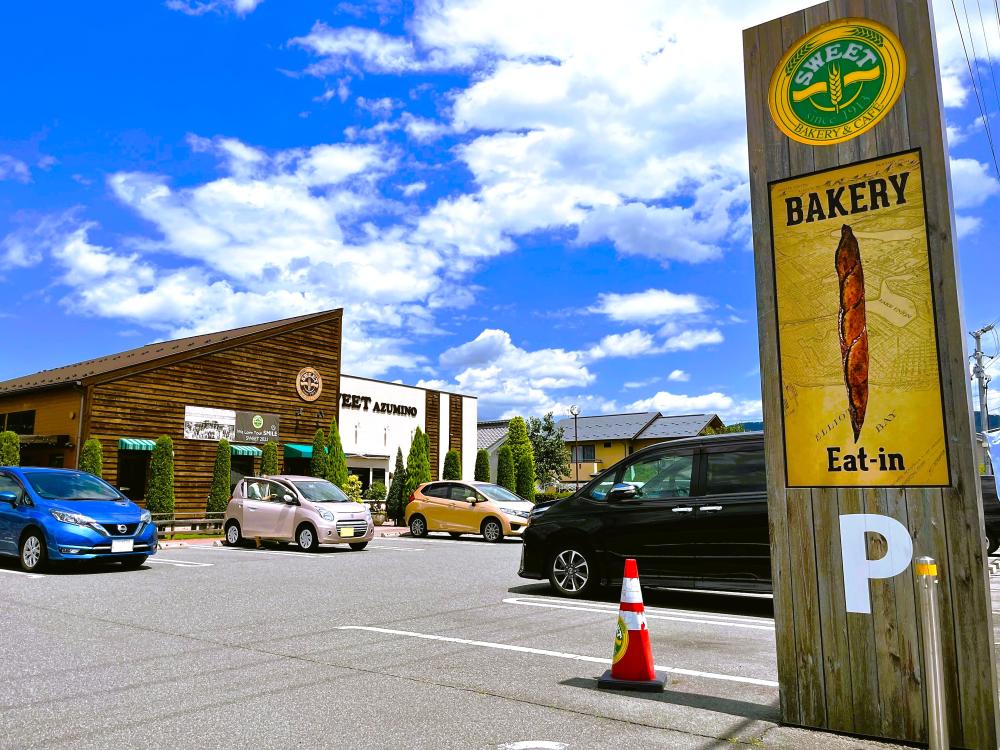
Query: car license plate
x=347, y=531
x=121, y=545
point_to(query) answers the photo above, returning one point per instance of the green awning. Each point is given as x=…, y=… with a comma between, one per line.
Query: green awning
x=298, y=450
x=136, y=444
x=246, y=450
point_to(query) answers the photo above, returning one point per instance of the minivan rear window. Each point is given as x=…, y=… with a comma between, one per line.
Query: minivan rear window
x=735, y=471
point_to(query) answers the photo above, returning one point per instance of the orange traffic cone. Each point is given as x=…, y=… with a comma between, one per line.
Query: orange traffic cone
x=632, y=662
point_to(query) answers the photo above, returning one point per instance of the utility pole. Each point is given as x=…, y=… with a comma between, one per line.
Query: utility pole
x=980, y=374
x=575, y=411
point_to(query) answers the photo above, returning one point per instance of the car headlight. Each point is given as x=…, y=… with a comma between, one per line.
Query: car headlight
x=326, y=515
x=145, y=517
x=517, y=513
x=77, y=519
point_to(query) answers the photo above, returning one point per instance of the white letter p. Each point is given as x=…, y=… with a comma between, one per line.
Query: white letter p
x=858, y=569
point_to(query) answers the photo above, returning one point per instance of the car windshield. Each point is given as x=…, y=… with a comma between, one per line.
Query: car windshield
x=70, y=485
x=498, y=493
x=321, y=491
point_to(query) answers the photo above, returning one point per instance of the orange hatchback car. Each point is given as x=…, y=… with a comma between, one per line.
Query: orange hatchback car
x=467, y=508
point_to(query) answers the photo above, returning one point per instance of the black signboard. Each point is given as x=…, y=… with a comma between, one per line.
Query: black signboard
x=256, y=427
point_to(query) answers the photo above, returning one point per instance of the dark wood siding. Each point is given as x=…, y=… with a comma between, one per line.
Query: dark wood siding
x=455, y=423
x=57, y=412
x=255, y=376
x=433, y=424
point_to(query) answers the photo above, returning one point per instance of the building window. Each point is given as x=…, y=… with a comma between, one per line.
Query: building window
x=133, y=473
x=21, y=422
x=607, y=445
x=584, y=454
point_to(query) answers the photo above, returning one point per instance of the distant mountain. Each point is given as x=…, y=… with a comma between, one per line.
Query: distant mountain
x=758, y=426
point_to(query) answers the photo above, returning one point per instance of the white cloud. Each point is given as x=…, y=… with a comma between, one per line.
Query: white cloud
x=630, y=344
x=973, y=183
x=727, y=407
x=200, y=7
x=414, y=188
x=13, y=169
x=679, y=376
x=650, y=306
x=692, y=339
x=634, y=384
x=967, y=225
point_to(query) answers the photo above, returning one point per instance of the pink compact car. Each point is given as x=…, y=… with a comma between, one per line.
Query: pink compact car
x=305, y=510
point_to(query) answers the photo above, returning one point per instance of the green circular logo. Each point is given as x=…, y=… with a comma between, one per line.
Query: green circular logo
x=621, y=641
x=258, y=421
x=837, y=82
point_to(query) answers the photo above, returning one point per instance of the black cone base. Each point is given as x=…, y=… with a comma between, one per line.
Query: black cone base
x=607, y=682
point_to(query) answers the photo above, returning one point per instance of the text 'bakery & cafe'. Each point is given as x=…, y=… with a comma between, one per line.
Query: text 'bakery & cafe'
x=277, y=381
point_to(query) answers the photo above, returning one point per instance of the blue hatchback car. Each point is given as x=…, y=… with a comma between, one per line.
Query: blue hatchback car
x=60, y=514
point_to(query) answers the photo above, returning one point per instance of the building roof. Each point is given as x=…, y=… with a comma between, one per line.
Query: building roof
x=684, y=425
x=191, y=346
x=490, y=433
x=606, y=426
x=639, y=426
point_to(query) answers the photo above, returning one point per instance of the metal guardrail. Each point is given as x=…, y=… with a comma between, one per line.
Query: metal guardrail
x=169, y=524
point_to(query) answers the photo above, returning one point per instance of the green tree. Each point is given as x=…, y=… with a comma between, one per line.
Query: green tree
x=10, y=449
x=395, y=499
x=218, y=497
x=336, y=462
x=317, y=464
x=377, y=491
x=526, y=477
x=92, y=457
x=452, y=465
x=506, y=474
x=418, y=464
x=482, y=465
x=551, y=453
x=160, y=494
x=520, y=446
x=269, y=459
x=738, y=427
x=352, y=488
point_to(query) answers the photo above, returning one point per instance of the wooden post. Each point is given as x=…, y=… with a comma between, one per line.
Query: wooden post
x=854, y=671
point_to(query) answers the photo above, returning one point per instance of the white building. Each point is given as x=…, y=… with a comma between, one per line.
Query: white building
x=377, y=418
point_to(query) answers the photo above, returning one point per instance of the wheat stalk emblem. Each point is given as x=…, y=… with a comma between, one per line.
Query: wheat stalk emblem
x=836, y=87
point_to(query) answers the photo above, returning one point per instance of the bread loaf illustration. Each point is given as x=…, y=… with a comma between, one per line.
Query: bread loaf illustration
x=853, y=327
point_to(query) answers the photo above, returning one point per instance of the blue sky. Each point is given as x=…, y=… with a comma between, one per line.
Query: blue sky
x=540, y=204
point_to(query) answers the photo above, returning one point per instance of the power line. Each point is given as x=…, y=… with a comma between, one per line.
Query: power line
x=989, y=56
x=975, y=89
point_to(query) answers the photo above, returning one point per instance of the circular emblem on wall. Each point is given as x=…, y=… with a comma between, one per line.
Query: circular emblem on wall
x=309, y=384
x=258, y=421
x=837, y=82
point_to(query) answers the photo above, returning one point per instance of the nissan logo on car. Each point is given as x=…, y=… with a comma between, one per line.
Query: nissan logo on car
x=122, y=528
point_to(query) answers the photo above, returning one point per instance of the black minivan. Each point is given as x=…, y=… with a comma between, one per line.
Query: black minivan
x=693, y=513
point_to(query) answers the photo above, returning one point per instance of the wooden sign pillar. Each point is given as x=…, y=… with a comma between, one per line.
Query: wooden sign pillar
x=864, y=373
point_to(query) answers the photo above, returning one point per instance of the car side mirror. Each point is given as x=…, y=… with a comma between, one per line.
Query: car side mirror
x=289, y=499
x=621, y=491
x=8, y=497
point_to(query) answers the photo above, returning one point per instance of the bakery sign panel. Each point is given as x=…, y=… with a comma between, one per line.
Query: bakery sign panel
x=204, y=423
x=861, y=390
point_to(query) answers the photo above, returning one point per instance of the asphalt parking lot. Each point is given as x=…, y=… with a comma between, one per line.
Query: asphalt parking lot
x=413, y=643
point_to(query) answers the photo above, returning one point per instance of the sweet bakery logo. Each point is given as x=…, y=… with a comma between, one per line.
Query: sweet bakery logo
x=858, y=354
x=837, y=82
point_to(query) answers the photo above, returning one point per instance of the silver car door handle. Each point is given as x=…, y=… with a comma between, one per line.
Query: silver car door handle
x=710, y=507
x=682, y=510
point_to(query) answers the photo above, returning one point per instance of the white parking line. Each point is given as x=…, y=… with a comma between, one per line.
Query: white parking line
x=178, y=563
x=404, y=549
x=299, y=554
x=559, y=654
x=21, y=573
x=654, y=614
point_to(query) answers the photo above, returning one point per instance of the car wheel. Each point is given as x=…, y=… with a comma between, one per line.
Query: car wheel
x=992, y=542
x=571, y=572
x=455, y=534
x=33, y=552
x=358, y=546
x=234, y=536
x=492, y=530
x=418, y=526
x=306, y=537
x=134, y=563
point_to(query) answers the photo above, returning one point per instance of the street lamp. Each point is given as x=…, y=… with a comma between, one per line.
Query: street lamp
x=575, y=411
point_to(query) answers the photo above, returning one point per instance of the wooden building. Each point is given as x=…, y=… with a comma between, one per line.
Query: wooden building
x=286, y=372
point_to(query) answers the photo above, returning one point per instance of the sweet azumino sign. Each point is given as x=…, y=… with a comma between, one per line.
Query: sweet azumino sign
x=857, y=338
x=837, y=82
